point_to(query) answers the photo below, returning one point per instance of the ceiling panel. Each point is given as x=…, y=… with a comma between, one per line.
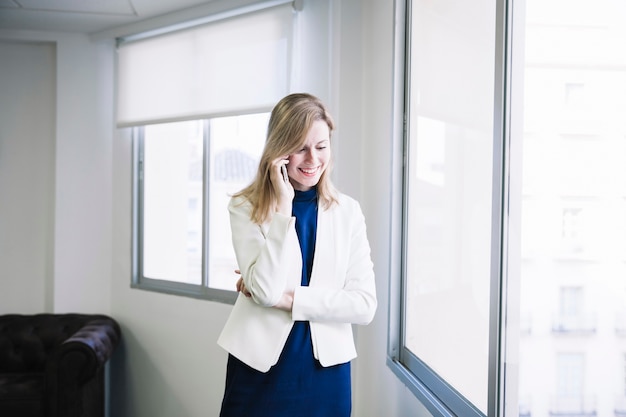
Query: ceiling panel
x=84, y=16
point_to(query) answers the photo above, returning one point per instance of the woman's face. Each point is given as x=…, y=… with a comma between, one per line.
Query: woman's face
x=307, y=165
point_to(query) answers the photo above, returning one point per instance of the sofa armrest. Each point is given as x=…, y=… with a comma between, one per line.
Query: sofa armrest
x=88, y=349
x=75, y=371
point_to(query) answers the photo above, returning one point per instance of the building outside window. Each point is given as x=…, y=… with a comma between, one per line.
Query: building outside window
x=516, y=190
x=573, y=235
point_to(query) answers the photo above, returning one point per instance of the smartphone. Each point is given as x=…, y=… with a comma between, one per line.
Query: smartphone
x=283, y=168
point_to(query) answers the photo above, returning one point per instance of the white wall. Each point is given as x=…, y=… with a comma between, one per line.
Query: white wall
x=82, y=267
x=26, y=173
x=75, y=228
x=169, y=364
x=378, y=390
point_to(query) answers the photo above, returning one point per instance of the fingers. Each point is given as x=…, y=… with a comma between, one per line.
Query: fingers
x=280, y=169
x=281, y=161
x=241, y=287
x=282, y=186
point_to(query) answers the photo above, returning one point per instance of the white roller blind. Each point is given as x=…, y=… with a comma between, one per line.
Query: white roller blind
x=230, y=66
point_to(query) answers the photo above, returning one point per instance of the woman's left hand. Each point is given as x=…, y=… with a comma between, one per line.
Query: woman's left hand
x=285, y=303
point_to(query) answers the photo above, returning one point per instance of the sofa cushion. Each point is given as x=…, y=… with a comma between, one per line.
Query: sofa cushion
x=21, y=394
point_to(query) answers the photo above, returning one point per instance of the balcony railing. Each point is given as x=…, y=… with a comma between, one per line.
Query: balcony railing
x=579, y=324
x=620, y=406
x=524, y=408
x=573, y=407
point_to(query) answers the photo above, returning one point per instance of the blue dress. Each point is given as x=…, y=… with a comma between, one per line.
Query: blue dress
x=297, y=386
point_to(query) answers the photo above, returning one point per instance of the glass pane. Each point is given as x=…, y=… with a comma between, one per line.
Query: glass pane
x=449, y=186
x=173, y=206
x=236, y=146
x=571, y=81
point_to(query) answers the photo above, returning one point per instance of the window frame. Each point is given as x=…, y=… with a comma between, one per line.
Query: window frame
x=439, y=397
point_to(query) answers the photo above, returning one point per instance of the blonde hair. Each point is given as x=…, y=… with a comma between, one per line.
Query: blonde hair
x=290, y=121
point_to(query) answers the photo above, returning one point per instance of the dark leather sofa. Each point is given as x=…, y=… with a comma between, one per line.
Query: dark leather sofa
x=52, y=365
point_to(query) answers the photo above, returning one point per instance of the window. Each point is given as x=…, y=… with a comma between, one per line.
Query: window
x=571, y=302
x=170, y=178
x=574, y=94
x=569, y=386
x=200, y=139
x=572, y=316
x=512, y=228
x=449, y=236
x=571, y=233
x=185, y=174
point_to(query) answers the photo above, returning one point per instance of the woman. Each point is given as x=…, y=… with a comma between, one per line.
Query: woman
x=306, y=276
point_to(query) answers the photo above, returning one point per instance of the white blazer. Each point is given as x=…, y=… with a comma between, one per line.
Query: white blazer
x=341, y=290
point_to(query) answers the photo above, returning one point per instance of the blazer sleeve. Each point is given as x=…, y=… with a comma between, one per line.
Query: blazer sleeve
x=260, y=252
x=354, y=300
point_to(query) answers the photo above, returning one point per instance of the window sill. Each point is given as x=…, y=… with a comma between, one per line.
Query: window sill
x=186, y=290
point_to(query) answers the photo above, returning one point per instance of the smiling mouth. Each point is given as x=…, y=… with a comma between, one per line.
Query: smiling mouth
x=309, y=171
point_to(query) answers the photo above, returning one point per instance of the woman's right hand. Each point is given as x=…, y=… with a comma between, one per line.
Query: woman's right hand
x=283, y=189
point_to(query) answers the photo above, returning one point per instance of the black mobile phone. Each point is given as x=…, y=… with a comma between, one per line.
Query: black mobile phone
x=283, y=168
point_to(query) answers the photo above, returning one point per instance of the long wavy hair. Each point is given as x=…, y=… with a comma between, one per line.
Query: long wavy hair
x=290, y=121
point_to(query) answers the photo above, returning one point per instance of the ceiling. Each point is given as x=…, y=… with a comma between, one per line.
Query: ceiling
x=85, y=16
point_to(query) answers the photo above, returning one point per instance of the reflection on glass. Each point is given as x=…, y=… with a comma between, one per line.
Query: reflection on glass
x=448, y=209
